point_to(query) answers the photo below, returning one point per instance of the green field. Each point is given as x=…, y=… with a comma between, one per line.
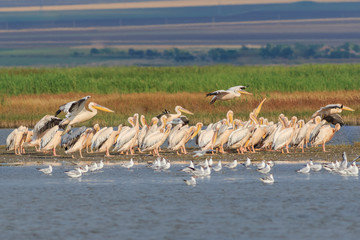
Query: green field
x=105, y=80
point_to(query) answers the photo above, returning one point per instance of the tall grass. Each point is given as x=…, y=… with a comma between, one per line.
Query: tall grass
x=107, y=80
x=28, y=109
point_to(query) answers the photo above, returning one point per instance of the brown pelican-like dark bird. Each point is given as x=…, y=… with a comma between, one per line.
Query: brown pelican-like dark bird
x=331, y=113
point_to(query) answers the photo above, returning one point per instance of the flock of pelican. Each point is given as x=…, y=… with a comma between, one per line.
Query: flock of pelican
x=228, y=134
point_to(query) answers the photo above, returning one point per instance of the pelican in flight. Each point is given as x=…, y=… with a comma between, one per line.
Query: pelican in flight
x=331, y=113
x=231, y=93
x=76, y=112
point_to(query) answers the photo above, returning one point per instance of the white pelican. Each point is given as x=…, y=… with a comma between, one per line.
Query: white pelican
x=229, y=94
x=41, y=127
x=90, y=134
x=299, y=136
x=127, y=140
x=178, y=110
x=104, y=140
x=51, y=139
x=331, y=113
x=178, y=139
x=239, y=137
x=258, y=134
x=208, y=137
x=76, y=112
x=47, y=170
x=155, y=140
x=15, y=140
x=224, y=132
x=285, y=136
x=268, y=179
x=310, y=126
x=326, y=134
x=191, y=182
x=74, y=141
x=143, y=131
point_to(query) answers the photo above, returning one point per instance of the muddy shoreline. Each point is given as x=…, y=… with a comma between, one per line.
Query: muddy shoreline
x=315, y=153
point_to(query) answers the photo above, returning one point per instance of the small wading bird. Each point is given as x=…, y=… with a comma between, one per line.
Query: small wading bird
x=76, y=112
x=231, y=93
x=331, y=113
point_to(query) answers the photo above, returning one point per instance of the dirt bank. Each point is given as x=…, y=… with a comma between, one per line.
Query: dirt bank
x=35, y=158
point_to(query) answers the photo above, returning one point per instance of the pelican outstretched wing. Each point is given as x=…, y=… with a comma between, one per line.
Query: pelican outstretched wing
x=69, y=139
x=72, y=108
x=47, y=122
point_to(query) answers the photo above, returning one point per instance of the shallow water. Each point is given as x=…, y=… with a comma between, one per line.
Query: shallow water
x=346, y=135
x=116, y=203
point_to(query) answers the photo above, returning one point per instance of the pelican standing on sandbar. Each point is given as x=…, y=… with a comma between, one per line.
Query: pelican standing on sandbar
x=231, y=93
x=178, y=110
x=77, y=113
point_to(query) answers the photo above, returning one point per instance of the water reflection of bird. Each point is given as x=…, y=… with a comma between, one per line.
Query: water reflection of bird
x=268, y=179
x=191, y=182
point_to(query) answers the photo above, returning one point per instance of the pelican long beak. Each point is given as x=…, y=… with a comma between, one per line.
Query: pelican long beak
x=102, y=108
x=196, y=132
x=186, y=111
x=348, y=109
x=257, y=110
x=244, y=92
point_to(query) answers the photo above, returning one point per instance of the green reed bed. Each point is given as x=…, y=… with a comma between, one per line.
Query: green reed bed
x=104, y=80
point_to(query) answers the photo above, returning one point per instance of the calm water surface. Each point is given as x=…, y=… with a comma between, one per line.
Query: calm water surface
x=116, y=203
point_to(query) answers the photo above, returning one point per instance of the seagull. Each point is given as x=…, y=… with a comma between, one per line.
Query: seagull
x=204, y=164
x=261, y=165
x=198, y=172
x=271, y=163
x=207, y=171
x=100, y=165
x=218, y=167
x=166, y=166
x=47, y=170
x=189, y=168
x=268, y=179
x=74, y=173
x=83, y=169
x=305, y=169
x=232, y=164
x=265, y=169
x=191, y=182
x=247, y=163
x=315, y=167
x=129, y=164
x=93, y=167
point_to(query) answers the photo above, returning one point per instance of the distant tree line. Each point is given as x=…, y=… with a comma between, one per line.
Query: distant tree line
x=270, y=51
